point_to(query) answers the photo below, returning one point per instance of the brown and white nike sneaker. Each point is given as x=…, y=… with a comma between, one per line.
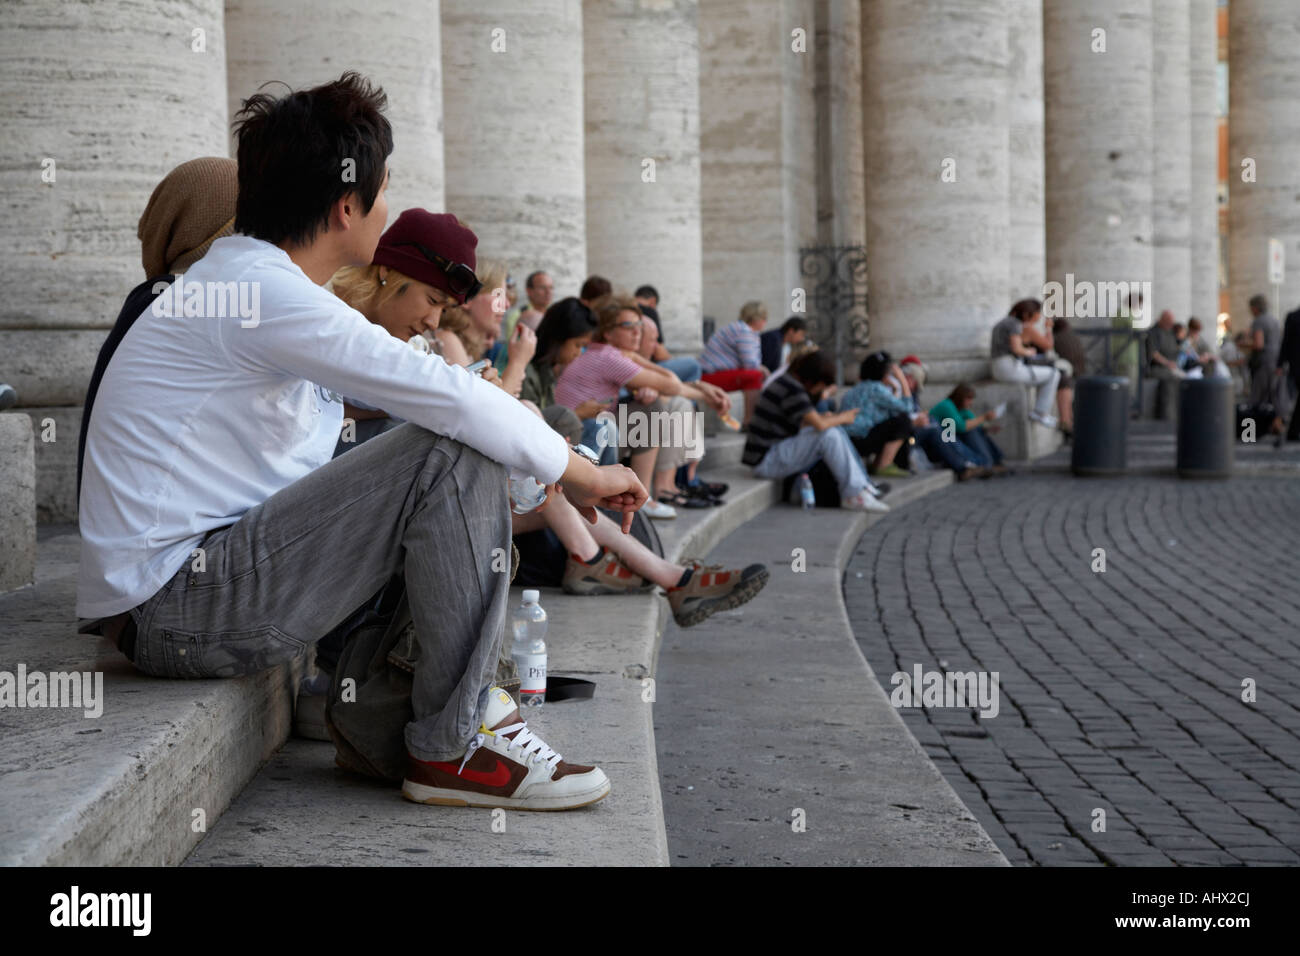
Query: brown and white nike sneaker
x=506, y=765
x=711, y=589
x=608, y=575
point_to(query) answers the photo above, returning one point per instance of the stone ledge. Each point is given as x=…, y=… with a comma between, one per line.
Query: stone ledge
x=824, y=736
x=120, y=789
x=17, y=501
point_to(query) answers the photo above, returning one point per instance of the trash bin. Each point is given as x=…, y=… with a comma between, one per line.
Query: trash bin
x=1207, y=419
x=1100, y=425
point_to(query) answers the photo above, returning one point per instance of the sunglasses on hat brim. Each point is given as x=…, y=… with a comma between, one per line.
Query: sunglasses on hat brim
x=460, y=277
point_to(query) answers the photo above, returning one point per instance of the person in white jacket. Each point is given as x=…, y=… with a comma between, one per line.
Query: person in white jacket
x=219, y=538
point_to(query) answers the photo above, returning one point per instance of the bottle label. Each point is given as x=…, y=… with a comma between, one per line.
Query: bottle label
x=532, y=673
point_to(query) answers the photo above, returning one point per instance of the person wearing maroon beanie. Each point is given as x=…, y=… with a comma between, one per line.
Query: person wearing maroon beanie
x=423, y=263
x=434, y=248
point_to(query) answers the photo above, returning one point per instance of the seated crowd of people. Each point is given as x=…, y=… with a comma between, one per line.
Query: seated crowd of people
x=391, y=415
x=384, y=422
x=1262, y=363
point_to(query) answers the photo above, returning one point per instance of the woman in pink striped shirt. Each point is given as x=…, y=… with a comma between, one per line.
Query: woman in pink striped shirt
x=612, y=362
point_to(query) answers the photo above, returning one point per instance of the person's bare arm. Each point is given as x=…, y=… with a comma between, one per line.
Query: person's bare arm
x=520, y=349
x=709, y=394
x=654, y=376
x=1041, y=340
x=821, y=421
x=453, y=350
x=615, y=487
x=1018, y=347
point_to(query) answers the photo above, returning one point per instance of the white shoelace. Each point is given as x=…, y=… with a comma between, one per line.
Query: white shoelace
x=533, y=747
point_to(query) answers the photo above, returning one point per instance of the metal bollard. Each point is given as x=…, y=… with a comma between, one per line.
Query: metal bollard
x=1100, y=425
x=1207, y=419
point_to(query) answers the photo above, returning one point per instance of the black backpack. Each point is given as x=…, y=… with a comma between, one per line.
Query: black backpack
x=826, y=489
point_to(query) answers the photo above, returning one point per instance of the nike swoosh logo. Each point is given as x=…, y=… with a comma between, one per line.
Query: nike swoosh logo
x=498, y=776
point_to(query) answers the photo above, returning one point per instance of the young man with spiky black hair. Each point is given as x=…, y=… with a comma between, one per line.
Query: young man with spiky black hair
x=219, y=538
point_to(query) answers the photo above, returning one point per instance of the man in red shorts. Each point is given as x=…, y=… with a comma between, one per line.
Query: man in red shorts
x=733, y=359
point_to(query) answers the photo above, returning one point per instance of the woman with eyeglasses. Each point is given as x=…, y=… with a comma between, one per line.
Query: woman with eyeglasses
x=612, y=363
x=564, y=332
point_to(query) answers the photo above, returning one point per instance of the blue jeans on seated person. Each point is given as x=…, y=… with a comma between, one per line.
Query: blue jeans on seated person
x=684, y=367
x=799, y=452
x=979, y=448
x=950, y=454
x=604, y=444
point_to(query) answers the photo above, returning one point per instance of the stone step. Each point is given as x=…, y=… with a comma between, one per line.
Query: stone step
x=56, y=430
x=17, y=501
x=123, y=787
x=849, y=771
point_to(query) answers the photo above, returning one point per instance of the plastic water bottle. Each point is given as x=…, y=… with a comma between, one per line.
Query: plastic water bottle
x=528, y=629
x=806, y=496
x=526, y=494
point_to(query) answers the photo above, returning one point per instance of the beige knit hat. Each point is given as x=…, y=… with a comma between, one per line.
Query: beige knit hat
x=193, y=206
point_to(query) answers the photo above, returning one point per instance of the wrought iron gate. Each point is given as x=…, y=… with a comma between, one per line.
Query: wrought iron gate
x=835, y=281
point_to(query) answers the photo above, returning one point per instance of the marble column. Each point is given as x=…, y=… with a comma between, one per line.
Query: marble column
x=758, y=174
x=1025, y=179
x=841, y=182
x=1263, y=144
x=394, y=43
x=100, y=102
x=513, y=106
x=1171, y=173
x=935, y=94
x=1203, y=202
x=1098, y=146
x=642, y=116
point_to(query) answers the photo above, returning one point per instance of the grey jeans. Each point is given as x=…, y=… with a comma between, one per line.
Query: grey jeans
x=300, y=563
x=801, y=451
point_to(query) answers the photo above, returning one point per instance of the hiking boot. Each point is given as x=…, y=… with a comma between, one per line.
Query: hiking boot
x=711, y=589
x=506, y=765
x=608, y=575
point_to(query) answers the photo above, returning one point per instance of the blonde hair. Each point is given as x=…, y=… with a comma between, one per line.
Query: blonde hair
x=359, y=287
x=491, y=273
x=751, y=311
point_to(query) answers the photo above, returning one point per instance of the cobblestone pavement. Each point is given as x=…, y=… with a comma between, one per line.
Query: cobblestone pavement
x=1120, y=691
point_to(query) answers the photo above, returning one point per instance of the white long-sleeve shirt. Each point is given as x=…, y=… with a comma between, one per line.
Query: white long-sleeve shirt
x=199, y=418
